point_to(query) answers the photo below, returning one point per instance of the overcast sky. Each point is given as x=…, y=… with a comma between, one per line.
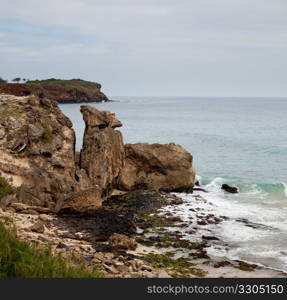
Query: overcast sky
x=150, y=47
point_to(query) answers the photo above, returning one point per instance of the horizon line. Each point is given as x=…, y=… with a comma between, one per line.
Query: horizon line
x=214, y=97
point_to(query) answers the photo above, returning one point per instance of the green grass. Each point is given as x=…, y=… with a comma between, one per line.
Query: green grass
x=5, y=188
x=21, y=259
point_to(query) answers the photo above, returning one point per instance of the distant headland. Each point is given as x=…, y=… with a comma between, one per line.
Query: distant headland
x=60, y=90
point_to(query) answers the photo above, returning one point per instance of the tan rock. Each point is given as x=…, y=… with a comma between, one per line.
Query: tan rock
x=103, y=151
x=111, y=269
x=83, y=201
x=37, y=155
x=44, y=217
x=157, y=167
x=38, y=227
x=19, y=206
x=36, y=132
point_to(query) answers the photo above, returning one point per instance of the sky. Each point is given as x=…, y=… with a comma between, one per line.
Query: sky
x=150, y=47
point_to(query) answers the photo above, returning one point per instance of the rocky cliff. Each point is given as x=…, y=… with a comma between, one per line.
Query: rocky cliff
x=37, y=153
x=62, y=91
x=38, y=164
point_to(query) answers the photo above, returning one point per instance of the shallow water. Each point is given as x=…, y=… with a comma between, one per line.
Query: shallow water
x=239, y=141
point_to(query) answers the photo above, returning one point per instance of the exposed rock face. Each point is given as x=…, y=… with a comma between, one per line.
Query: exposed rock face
x=37, y=151
x=102, y=154
x=157, y=167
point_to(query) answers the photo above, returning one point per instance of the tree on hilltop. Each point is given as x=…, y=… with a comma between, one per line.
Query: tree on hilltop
x=17, y=79
x=2, y=80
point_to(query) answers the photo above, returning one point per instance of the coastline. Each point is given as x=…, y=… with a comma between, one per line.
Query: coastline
x=173, y=256
x=103, y=204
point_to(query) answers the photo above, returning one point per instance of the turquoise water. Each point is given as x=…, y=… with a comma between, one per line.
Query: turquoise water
x=239, y=141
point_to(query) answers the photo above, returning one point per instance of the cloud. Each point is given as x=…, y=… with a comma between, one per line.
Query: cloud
x=125, y=43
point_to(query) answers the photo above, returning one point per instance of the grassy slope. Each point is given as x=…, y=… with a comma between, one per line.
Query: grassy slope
x=21, y=259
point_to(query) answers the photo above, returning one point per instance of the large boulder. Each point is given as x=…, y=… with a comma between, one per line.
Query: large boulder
x=158, y=167
x=37, y=151
x=102, y=154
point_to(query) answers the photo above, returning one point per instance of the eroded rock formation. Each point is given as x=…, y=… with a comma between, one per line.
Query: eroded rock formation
x=37, y=158
x=102, y=154
x=157, y=167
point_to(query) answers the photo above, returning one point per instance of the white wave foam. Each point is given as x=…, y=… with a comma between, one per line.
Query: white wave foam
x=260, y=241
x=215, y=184
x=198, y=178
x=285, y=188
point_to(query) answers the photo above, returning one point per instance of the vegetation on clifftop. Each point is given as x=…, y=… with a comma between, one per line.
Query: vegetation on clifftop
x=63, y=91
x=21, y=259
x=87, y=87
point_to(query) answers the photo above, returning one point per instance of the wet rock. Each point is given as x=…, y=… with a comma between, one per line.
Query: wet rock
x=157, y=167
x=201, y=222
x=210, y=238
x=108, y=222
x=244, y=266
x=229, y=189
x=200, y=189
x=222, y=264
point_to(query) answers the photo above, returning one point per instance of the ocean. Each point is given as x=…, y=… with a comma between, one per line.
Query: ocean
x=238, y=141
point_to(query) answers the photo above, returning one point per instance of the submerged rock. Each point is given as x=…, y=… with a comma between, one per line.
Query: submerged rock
x=157, y=167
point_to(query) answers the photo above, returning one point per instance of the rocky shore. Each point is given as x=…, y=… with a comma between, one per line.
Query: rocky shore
x=111, y=205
